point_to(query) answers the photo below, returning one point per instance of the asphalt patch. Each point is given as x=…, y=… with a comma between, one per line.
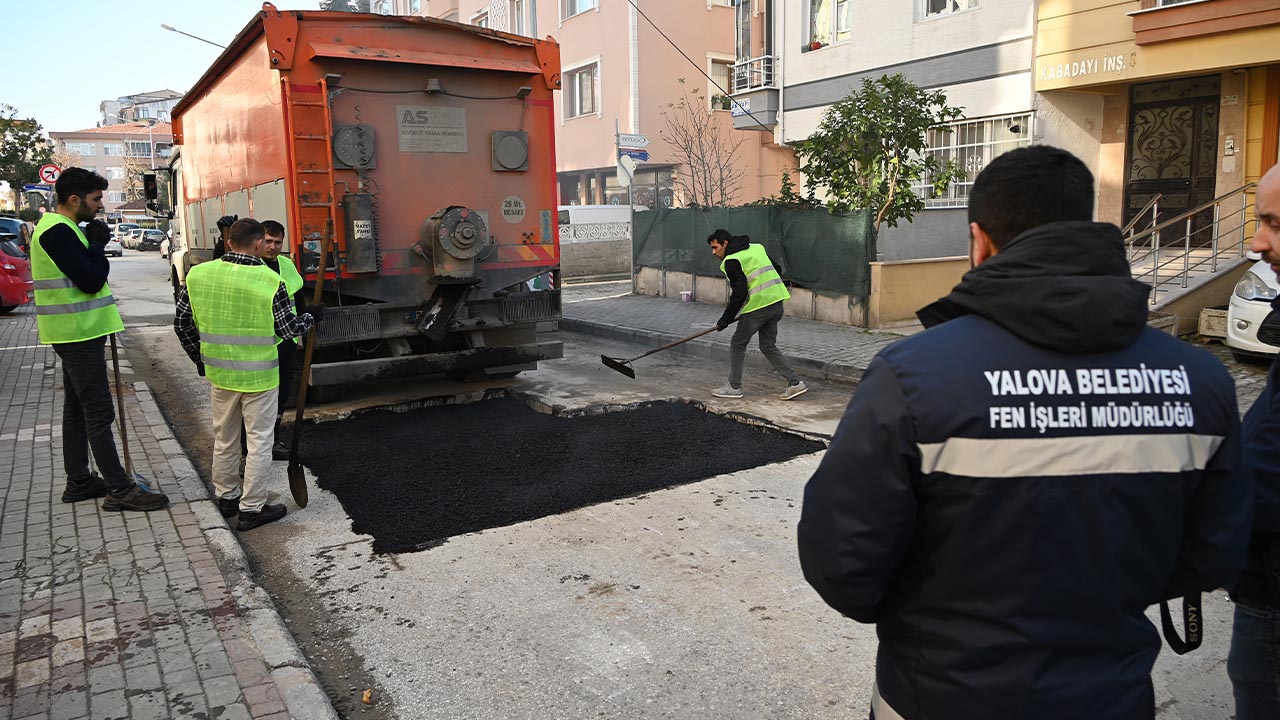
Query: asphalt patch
x=414, y=479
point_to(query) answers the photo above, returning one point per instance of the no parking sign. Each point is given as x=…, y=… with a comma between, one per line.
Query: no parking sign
x=49, y=173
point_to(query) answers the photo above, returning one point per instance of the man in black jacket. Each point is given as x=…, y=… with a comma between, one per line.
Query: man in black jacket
x=1009, y=490
x=1254, y=662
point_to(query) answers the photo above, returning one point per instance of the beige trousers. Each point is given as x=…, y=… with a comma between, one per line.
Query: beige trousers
x=258, y=413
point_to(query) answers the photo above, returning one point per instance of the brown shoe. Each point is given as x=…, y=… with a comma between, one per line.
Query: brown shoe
x=138, y=497
x=94, y=487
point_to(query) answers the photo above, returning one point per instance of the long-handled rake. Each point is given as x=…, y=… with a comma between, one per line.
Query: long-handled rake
x=622, y=365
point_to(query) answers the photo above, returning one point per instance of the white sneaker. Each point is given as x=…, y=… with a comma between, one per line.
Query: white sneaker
x=794, y=391
x=727, y=391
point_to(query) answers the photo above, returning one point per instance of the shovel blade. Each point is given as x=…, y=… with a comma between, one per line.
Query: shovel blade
x=298, y=483
x=613, y=364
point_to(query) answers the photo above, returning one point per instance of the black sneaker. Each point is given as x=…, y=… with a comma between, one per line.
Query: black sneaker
x=137, y=497
x=229, y=506
x=92, y=488
x=280, y=451
x=268, y=513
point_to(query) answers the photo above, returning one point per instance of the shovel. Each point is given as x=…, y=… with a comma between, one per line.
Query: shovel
x=297, y=475
x=621, y=365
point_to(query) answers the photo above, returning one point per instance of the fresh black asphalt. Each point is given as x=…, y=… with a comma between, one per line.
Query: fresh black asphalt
x=414, y=479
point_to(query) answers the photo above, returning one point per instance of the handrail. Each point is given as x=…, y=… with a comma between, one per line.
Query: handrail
x=1194, y=211
x=1129, y=225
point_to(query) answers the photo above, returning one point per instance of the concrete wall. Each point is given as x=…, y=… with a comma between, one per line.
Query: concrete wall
x=899, y=289
x=939, y=233
x=607, y=257
x=804, y=304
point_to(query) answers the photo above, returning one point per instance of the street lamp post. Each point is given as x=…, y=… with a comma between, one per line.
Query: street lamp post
x=170, y=28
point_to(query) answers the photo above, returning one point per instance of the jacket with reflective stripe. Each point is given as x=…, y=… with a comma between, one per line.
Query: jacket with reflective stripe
x=231, y=305
x=64, y=313
x=1006, y=513
x=292, y=284
x=764, y=285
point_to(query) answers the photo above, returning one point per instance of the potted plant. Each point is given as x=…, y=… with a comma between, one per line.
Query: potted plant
x=818, y=41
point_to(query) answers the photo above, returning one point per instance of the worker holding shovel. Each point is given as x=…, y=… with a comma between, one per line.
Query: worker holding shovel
x=757, y=292
x=76, y=313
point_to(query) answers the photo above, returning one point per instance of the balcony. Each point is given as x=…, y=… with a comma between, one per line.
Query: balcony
x=755, y=96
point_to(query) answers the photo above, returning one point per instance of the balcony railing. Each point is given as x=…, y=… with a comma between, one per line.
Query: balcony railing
x=752, y=74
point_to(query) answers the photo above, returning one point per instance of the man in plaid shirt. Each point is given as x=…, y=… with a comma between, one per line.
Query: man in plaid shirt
x=244, y=390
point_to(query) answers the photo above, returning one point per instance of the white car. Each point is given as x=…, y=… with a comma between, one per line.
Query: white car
x=1250, y=303
x=113, y=247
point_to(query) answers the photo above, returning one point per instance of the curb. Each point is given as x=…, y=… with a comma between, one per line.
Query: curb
x=299, y=688
x=810, y=367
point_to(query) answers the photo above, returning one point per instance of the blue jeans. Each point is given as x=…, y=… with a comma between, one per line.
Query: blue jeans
x=1254, y=663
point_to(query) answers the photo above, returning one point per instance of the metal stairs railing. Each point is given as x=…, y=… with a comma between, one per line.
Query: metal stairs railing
x=1177, y=253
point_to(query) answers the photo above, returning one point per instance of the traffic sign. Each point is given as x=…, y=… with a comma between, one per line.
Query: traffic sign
x=49, y=173
x=637, y=155
x=31, y=186
x=632, y=141
x=626, y=170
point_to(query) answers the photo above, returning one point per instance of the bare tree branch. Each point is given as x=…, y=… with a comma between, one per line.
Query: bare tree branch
x=711, y=175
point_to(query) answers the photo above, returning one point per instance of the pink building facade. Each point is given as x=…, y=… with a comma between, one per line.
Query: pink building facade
x=619, y=74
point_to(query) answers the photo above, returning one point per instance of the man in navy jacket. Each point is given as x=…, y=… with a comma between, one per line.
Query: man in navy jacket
x=1009, y=490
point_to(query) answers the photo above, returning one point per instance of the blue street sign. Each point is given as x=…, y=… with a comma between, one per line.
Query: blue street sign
x=32, y=186
x=640, y=155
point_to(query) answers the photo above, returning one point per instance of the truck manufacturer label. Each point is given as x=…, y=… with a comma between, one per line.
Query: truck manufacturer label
x=432, y=129
x=513, y=209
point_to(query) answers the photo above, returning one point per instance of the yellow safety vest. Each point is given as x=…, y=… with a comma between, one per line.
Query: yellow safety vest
x=65, y=313
x=232, y=305
x=764, y=285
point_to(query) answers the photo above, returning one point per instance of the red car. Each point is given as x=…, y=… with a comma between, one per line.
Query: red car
x=15, y=277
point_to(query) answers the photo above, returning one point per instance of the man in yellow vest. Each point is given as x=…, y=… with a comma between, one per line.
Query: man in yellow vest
x=229, y=318
x=75, y=313
x=287, y=351
x=757, y=291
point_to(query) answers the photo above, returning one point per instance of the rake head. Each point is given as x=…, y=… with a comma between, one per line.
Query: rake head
x=619, y=365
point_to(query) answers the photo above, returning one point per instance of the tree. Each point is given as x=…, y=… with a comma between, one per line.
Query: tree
x=700, y=142
x=64, y=158
x=869, y=150
x=23, y=149
x=133, y=171
x=361, y=6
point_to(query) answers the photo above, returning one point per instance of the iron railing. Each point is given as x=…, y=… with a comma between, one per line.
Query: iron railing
x=1225, y=236
x=752, y=74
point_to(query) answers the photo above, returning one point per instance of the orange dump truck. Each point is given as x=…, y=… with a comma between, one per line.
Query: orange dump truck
x=428, y=147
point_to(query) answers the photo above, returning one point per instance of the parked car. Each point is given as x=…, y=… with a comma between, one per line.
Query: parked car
x=164, y=246
x=150, y=239
x=135, y=235
x=122, y=229
x=113, y=247
x=1250, y=303
x=15, y=276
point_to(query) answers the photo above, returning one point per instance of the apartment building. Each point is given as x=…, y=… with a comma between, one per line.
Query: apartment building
x=795, y=58
x=1171, y=97
x=619, y=74
x=141, y=106
x=116, y=152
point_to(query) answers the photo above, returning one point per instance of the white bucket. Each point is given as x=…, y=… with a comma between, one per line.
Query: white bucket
x=686, y=296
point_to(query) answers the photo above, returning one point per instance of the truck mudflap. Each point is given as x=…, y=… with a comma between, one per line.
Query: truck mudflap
x=339, y=373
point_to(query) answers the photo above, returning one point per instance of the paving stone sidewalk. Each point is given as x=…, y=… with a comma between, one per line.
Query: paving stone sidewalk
x=125, y=615
x=817, y=349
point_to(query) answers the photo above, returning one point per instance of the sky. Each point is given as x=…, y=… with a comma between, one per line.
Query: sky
x=68, y=56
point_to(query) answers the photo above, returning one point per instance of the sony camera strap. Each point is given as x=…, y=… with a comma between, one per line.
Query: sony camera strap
x=1191, y=621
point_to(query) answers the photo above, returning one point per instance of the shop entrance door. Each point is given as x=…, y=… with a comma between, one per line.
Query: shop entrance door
x=1173, y=150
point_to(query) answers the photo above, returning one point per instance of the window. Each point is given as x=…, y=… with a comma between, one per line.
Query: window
x=115, y=196
x=164, y=150
x=829, y=21
x=481, y=20
x=933, y=8
x=516, y=17
x=136, y=149
x=163, y=115
x=113, y=149
x=415, y=6
x=973, y=144
x=114, y=173
x=573, y=7
x=580, y=91
x=720, y=73
x=143, y=113
x=83, y=149
x=382, y=7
